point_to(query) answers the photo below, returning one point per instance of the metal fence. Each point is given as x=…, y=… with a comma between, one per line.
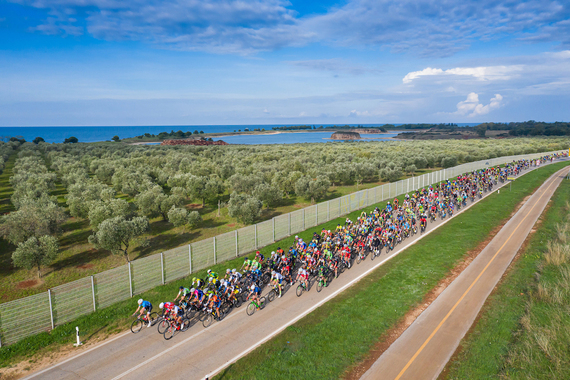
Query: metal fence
x=67, y=302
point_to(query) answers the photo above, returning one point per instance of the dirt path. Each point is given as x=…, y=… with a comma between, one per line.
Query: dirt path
x=424, y=348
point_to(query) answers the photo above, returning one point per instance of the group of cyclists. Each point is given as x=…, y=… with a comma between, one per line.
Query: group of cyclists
x=330, y=252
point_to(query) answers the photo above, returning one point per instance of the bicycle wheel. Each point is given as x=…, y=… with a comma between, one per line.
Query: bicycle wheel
x=208, y=320
x=262, y=303
x=185, y=325
x=153, y=318
x=162, y=326
x=319, y=286
x=358, y=258
x=238, y=301
x=271, y=295
x=137, y=325
x=299, y=290
x=169, y=332
x=250, y=309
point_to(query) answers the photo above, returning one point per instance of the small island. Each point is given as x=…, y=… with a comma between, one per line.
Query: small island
x=345, y=136
x=193, y=142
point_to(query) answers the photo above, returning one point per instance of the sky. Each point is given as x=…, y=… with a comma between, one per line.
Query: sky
x=201, y=62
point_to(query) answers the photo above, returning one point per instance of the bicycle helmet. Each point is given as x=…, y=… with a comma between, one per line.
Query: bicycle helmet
x=252, y=287
x=211, y=279
x=273, y=273
x=161, y=305
x=228, y=270
x=209, y=271
x=181, y=288
x=140, y=301
x=233, y=270
x=192, y=290
x=194, y=279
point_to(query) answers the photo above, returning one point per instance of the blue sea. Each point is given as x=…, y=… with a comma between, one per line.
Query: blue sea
x=96, y=134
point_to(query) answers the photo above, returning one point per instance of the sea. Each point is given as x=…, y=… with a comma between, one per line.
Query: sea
x=105, y=133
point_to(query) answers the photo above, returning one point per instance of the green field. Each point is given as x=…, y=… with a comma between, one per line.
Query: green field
x=523, y=329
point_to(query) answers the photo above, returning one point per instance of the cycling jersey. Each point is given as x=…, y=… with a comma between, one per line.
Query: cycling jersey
x=184, y=292
x=277, y=276
x=147, y=305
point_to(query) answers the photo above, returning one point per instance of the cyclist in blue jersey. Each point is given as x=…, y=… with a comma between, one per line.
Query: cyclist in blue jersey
x=144, y=307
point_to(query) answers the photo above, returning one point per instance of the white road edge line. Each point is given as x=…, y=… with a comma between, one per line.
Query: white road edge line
x=281, y=329
x=317, y=305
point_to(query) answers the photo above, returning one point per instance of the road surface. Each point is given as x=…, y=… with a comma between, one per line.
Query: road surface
x=423, y=350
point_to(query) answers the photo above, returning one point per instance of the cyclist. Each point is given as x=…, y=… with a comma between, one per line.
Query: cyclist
x=174, y=311
x=215, y=303
x=254, y=293
x=276, y=279
x=144, y=306
x=303, y=275
x=182, y=291
x=198, y=283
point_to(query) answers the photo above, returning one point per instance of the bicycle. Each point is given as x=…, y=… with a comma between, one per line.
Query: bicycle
x=303, y=288
x=361, y=256
x=254, y=305
x=173, y=327
x=273, y=293
x=324, y=281
x=138, y=323
x=211, y=316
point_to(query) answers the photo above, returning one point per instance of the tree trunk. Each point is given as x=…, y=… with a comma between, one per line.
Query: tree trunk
x=126, y=254
x=39, y=272
x=203, y=202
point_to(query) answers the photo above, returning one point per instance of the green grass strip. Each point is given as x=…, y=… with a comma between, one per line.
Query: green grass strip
x=338, y=335
x=509, y=339
x=312, y=337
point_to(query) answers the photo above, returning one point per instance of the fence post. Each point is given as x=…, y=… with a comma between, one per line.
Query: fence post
x=274, y=229
x=162, y=266
x=190, y=256
x=303, y=219
x=255, y=236
x=130, y=279
x=328, y=210
x=237, y=246
x=349, y=202
x=215, y=256
x=289, y=220
x=93, y=292
x=50, y=309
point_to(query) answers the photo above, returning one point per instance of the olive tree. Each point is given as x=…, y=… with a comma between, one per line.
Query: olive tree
x=34, y=218
x=102, y=210
x=180, y=216
x=312, y=188
x=245, y=208
x=117, y=234
x=269, y=195
x=36, y=252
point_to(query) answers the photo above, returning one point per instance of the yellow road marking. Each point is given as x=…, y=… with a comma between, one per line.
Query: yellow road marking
x=468, y=289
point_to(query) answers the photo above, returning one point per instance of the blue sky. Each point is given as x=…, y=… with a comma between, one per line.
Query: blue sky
x=196, y=62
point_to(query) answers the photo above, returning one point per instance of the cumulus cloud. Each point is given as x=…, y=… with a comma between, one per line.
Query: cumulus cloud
x=472, y=107
x=425, y=27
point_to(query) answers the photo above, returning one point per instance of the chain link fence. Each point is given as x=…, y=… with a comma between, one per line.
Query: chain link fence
x=67, y=302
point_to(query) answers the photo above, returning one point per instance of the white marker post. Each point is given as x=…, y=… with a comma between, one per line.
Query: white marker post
x=77, y=336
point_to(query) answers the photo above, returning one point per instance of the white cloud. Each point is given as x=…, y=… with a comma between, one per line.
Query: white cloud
x=471, y=107
x=489, y=73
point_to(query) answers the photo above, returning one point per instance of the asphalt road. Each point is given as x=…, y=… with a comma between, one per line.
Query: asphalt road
x=199, y=352
x=423, y=350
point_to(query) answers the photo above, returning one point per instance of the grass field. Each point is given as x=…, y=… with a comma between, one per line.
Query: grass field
x=79, y=259
x=327, y=343
x=524, y=327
